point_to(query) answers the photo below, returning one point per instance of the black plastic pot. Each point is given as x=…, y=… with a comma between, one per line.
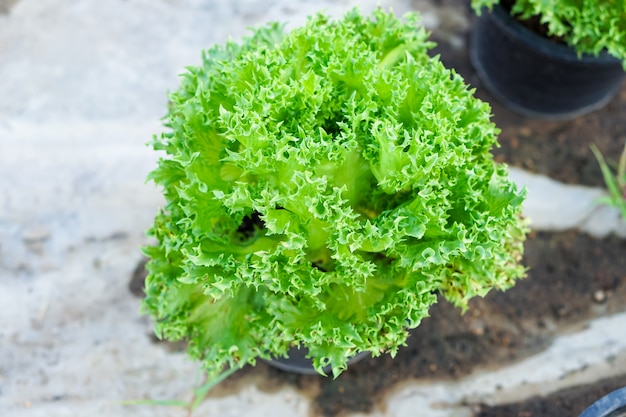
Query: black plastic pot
x=536, y=77
x=297, y=362
x=611, y=405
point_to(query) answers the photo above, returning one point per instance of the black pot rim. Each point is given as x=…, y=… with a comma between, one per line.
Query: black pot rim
x=544, y=45
x=299, y=364
x=611, y=405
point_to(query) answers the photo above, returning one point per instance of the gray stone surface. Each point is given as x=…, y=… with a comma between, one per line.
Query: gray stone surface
x=82, y=89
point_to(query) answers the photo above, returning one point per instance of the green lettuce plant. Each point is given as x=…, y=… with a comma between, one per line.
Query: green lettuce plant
x=589, y=26
x=323, y=186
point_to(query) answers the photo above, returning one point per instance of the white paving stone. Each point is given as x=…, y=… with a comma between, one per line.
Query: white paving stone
x=551, y=205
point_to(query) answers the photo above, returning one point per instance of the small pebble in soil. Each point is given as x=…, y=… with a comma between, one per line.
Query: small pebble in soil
x=599, y=296
x=478, y=328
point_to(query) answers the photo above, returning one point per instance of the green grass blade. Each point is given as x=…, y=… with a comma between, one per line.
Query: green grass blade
x=200, y=393
x=616, y=198
x=621, y=170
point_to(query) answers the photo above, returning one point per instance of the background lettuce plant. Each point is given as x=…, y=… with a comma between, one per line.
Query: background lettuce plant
x=589, y=26
x=323, y=186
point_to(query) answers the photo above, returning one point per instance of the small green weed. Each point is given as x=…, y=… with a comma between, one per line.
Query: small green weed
x=615, y=182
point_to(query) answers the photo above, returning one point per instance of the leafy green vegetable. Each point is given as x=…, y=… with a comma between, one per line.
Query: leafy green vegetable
x=590, y=26
x=322, y=187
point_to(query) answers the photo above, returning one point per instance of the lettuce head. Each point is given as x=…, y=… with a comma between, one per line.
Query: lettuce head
x=323, y=186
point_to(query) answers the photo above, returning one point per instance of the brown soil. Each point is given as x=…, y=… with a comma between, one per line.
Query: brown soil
x=572, y=278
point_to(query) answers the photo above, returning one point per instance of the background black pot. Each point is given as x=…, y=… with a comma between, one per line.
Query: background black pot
x=537, y=77
x=611, y=405
x=297, y=362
